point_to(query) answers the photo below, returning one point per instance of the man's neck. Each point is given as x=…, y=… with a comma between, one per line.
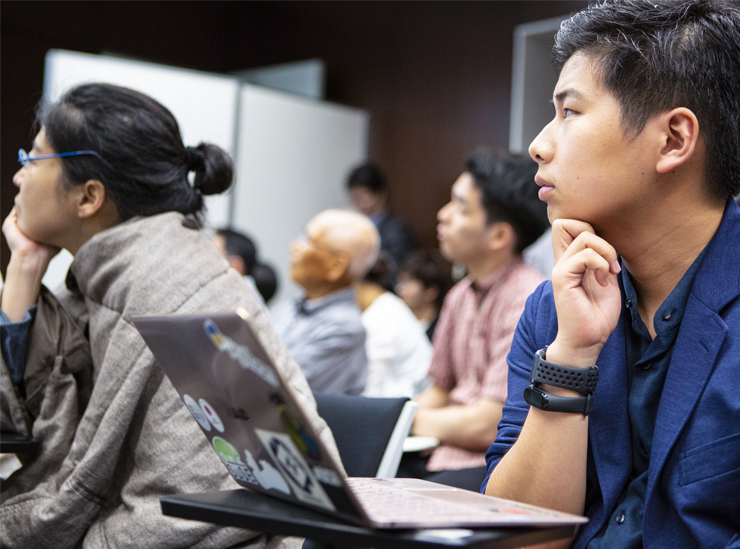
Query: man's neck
x=658, y=252
x=322, y=290
x=484, y=266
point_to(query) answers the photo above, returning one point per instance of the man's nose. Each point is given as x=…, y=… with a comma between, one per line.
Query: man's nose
x=443, y=211
x=541, y=148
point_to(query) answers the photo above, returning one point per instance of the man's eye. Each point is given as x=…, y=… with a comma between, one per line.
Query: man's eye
x=568, y=112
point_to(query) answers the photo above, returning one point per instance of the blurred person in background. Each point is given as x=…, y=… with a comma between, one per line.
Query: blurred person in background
x=368, y=192
x=241, y=253
x=493, y=215
x=322, y=329
x=423, y=282
x=398, y=351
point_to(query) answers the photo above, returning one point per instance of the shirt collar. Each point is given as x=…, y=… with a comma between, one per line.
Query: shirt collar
x=670, y=312
x=496, y=277
x=310, y=306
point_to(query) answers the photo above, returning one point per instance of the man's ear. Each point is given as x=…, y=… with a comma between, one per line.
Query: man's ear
x=680, y=134
x=91, y=198
x=500, y=235
x=337, y=267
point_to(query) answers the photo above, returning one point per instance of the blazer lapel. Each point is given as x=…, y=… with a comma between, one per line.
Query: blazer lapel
x=699, y=339
x=692, y=363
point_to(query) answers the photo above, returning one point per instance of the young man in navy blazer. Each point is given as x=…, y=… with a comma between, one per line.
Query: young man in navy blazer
x=624, y=373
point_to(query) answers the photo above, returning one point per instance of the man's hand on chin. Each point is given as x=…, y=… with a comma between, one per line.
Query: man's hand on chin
x=586, y=292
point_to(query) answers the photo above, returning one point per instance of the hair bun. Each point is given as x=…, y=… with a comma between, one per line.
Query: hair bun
x=195, y=160
x=213, y=167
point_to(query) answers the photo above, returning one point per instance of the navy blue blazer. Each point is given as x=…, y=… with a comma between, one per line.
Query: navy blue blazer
x=693, y=492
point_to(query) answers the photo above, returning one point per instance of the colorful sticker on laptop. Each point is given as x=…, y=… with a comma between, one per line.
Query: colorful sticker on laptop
x=327, y=476
x=296, y=471
x=267, y=476
x=196, y=412
x=233, y=462
x=298, y=434
x=211, y=414
x=239, y=353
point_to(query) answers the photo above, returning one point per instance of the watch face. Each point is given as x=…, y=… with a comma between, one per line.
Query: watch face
x=536, y=398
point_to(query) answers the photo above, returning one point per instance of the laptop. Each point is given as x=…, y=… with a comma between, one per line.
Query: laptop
x=258, y=429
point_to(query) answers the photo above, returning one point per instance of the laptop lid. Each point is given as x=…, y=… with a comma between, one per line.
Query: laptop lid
x=249, y=414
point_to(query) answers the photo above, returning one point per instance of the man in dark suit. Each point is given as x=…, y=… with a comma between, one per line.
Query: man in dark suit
x=624, y=371
x=369, y=194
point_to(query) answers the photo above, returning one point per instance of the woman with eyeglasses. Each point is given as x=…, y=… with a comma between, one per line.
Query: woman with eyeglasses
x=109, y=179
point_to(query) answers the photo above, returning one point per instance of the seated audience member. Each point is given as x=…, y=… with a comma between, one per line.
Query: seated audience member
x=398, y=351
x=369, y=194
x=493, y=215
x=423, y=282
x=241, y=253
x=638, y=169
x=266, y=281
x=107, y=179
x=323, y=330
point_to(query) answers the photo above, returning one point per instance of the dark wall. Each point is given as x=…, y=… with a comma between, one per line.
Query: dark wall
x=434, y=76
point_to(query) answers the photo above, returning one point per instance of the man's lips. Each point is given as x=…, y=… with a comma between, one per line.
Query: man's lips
x=546, y=188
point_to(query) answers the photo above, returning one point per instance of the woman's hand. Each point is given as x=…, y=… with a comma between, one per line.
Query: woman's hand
x=587, y=295
x=19, y=243
x=28, y=263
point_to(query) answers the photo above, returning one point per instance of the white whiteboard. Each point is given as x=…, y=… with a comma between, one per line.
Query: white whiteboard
x=294, y=155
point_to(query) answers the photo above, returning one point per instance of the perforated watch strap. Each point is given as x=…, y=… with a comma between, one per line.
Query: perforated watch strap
x=582, y=380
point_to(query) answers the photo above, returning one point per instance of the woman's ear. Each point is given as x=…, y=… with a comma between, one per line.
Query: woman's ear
x=679, y=138
x=91, y=198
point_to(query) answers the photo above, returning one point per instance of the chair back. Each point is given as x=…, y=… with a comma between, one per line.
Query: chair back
x=369, y=432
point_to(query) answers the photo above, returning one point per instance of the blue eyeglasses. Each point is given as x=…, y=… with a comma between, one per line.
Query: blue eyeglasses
x=24, y=159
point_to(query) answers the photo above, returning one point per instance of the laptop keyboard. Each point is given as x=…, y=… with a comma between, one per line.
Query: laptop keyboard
x=385, y=503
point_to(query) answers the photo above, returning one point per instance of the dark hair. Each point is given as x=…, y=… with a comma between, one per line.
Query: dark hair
x=266, y=281
x=656, y=55
x=383, y=272
x=369, y=176
x=240, y=244
x=431, y=269
x=146, y=165
x=509, y=194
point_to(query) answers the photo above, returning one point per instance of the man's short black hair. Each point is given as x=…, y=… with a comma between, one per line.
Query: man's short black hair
x=509, y=194
x=656, y=55
x=431, y=269
x=368, y=176
x=241, y=245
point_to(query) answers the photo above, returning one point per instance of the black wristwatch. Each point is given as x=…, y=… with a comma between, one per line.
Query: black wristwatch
x=581, y=380
x=539, y=398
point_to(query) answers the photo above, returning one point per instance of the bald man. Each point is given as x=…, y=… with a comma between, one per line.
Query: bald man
x=323, y=329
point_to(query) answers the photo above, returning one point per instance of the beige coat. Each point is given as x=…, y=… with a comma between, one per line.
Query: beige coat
x=115, y=434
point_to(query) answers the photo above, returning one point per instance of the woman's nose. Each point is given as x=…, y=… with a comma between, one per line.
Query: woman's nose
x=442, y=213
x=17, y=178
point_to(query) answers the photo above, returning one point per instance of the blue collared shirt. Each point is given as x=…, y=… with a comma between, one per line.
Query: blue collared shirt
x=326, y=338
x=647, y=365
x=14, y=336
